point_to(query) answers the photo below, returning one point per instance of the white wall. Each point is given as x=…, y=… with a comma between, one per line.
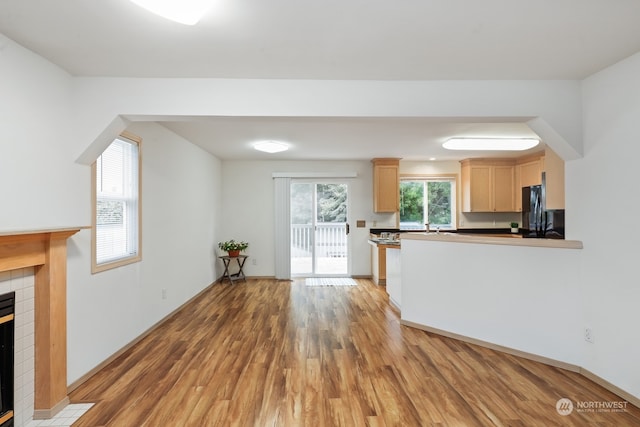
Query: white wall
x=181, y=207
x=43, y=186
x=555, y=105
x=518, y=297
x=248, y=214
x=414, y=167
x=38, y=176
x=602, y=208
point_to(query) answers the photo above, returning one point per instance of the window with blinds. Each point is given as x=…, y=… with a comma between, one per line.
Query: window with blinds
x=116, y=201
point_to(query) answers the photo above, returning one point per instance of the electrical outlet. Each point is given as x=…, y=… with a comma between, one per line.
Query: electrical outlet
x=164, y=294
x=254, y=261
x=588, y=335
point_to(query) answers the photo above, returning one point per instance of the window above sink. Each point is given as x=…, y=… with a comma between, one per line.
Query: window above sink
x=428, y=199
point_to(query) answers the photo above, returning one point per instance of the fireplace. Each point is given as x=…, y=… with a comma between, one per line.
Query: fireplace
x=7, y=328
x=35, y=265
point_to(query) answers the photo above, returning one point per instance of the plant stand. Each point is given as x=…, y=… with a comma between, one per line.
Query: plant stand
x=226, y=260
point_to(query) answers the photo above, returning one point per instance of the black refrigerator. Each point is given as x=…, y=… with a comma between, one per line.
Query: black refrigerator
x=538, y=221
x=533, y=223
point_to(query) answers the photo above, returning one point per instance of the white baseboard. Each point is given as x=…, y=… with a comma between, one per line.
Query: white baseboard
x=74, y=385
x=536, y=358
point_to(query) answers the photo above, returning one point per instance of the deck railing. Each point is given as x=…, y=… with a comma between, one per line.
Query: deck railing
x=330, y=240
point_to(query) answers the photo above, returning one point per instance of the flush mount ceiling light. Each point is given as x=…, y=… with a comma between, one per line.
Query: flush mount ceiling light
x=187, y=12
x=271, y=146
x=490, y=144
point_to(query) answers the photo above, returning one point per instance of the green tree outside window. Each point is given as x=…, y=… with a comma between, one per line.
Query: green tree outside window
x=415, y=211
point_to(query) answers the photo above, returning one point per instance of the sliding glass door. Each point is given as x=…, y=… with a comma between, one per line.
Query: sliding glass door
x=319, y=229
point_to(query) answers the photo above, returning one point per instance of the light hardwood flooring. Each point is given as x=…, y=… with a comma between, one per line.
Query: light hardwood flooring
x=279, y=353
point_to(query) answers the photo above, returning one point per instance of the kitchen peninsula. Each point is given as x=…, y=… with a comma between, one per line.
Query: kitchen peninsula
x=517, y=295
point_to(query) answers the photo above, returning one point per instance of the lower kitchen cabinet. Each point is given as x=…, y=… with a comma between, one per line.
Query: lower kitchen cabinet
x=394, y=277
x=378, y=263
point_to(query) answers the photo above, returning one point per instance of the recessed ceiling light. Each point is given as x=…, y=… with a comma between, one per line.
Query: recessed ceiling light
x=507, y=144
x=187, y=12
x=271, y=146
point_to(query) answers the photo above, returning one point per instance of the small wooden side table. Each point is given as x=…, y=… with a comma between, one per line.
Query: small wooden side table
x=226, y=260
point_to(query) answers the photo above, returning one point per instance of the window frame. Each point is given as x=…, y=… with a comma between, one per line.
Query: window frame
x=452, y=178
x=137, y=257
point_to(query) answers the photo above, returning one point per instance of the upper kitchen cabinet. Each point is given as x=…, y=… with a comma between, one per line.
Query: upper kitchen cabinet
x=553, y=167
x=488, y=185
x=386, y=184
x=528, y=172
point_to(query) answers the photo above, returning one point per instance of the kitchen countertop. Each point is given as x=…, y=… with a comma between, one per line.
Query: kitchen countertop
x=385, y=243
x=501, y=239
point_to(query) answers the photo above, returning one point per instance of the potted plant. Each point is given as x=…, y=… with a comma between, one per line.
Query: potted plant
x=233, y=247
x=514, y=227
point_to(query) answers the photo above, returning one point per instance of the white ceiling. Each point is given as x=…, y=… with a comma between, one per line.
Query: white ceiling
x=329, y=138
x=332, y=39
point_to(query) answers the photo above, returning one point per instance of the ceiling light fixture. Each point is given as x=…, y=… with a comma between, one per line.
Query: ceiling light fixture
x=490, y=144
x=271, y=146
x=187, y=12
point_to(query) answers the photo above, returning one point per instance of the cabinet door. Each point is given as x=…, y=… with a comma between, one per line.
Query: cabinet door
x=554, y=169
x=503, y=195
x=530, y=174
x=386, y=188
x=480, y=191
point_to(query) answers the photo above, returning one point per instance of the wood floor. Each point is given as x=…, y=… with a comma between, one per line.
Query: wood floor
x=279, y=353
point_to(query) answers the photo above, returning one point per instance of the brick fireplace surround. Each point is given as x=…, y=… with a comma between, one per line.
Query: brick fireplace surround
x=45, y=252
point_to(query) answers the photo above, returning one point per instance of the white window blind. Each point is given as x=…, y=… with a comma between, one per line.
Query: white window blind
x=117, y=202
x=282, y=227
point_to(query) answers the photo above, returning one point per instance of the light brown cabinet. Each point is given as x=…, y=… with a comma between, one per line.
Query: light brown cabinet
x=495, y=185
x=488, y=185
x=386, y=185
x=378, y=263
x=553, y=168
x=528, y=172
